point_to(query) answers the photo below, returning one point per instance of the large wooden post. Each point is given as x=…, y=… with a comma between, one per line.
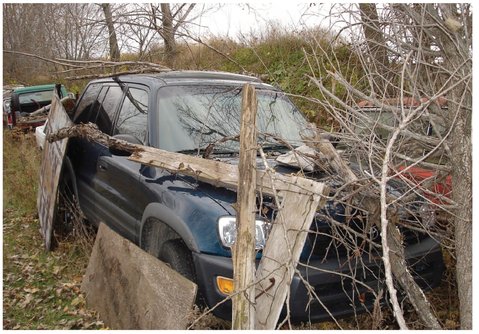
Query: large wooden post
x=244, y=249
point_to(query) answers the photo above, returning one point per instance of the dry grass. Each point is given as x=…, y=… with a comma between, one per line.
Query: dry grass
x=41, y=290
x=20, y=171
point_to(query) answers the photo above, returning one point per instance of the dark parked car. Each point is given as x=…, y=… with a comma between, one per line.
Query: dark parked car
x=190, y=224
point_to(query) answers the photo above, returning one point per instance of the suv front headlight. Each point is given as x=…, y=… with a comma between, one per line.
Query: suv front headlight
x=227, y=231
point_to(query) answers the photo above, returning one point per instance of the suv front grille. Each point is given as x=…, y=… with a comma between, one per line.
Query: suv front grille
x=333, y=240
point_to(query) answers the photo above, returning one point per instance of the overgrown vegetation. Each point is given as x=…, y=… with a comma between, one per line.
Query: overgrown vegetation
x=281, y=58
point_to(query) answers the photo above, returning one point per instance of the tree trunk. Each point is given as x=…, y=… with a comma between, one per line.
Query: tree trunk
x=376, y=45
x=114, y=49
x=461, y=149
x=168, y=34
x=462, y=193
x=457, y=51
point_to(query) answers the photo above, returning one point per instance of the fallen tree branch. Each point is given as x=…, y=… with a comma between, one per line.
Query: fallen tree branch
x=115, y=63
x=90, y=132
x=90, y=65
x=53, y=61
x=396, y=249
x=100, y=76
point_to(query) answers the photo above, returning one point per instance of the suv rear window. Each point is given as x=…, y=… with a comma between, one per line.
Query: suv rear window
x=82, y=113
x=98, y=105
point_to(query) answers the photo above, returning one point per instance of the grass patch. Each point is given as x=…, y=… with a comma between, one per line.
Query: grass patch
x=41, y=290
x=21, y=164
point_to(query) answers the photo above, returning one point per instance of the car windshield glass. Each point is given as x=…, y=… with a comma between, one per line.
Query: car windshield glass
x=191, y=117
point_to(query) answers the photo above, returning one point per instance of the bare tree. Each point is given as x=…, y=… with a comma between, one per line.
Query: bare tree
x=78, y=32
x=172, y=19
x=429, y=51
x=134, y=29
x=25, y=30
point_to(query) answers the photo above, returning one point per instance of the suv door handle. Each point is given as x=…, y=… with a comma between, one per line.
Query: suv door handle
x=102, y=167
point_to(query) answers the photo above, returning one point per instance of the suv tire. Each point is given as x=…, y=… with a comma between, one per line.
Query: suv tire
x=177, y=255
x=67, y=203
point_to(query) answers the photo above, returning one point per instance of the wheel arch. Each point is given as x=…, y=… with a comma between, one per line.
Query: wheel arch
x=158, y=213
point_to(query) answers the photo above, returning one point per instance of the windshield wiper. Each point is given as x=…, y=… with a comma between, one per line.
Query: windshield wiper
x=205, y=153
x=192, y=151
x=277, y=147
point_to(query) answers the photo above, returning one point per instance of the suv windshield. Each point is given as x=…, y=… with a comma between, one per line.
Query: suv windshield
x=191, y=117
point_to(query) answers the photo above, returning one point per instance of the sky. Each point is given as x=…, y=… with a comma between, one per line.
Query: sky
x=235, y=19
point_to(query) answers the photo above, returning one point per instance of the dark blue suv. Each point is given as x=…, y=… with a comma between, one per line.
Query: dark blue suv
x=190, y=224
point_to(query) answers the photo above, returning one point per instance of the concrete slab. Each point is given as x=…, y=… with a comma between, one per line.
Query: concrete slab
x=131, y=289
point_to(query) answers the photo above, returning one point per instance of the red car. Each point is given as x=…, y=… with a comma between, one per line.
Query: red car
x=440, y=189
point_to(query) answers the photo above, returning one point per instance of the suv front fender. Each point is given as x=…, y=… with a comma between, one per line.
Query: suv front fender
x=169, y=218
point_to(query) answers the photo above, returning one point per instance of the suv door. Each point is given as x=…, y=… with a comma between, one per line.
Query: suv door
x=117, y=178
x=98, y=104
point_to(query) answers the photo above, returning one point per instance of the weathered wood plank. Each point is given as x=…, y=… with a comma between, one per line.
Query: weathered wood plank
x=281, y=254
x=244, y=248
x=218, y=173
x=50, y=170
x=130, y=289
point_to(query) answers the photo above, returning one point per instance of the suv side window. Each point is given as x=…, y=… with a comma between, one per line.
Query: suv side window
x=84, y=107
x=107, y=107
x=133, y=117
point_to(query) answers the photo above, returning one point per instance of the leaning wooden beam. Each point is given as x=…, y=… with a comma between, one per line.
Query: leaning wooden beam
x=217, y=173
x=281, y=254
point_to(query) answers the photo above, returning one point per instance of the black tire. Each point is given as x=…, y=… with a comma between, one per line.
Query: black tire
x=178, y=256
x=67, y=200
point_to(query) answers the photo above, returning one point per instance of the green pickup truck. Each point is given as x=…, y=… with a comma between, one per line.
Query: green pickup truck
x=26, y=100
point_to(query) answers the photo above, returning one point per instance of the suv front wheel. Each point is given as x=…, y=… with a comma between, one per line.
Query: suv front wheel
x=178, y=257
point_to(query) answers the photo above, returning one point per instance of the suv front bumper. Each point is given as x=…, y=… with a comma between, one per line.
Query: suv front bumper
x=339, y=295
